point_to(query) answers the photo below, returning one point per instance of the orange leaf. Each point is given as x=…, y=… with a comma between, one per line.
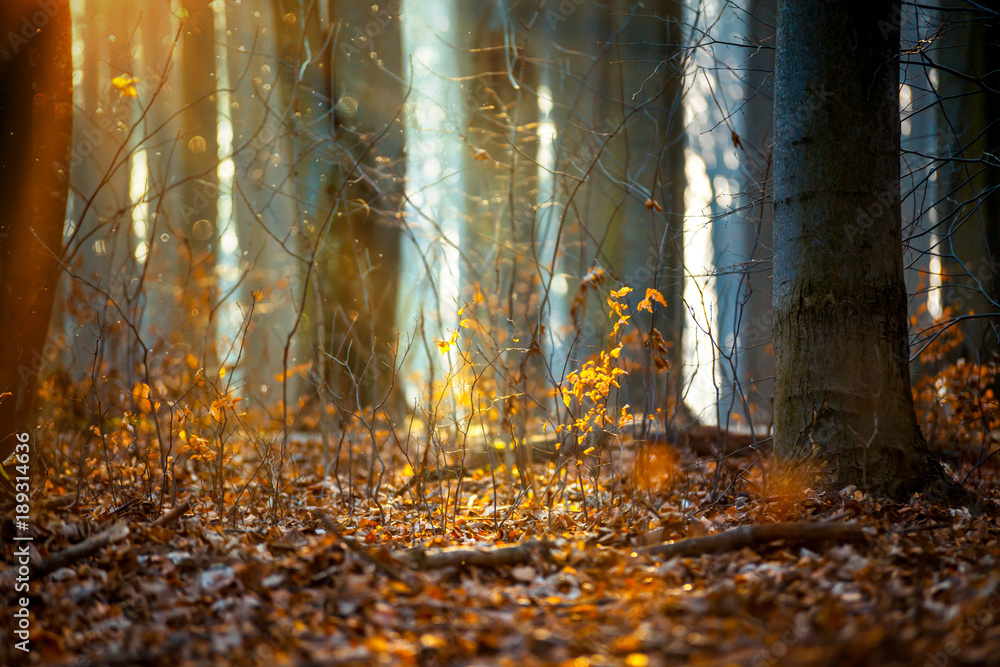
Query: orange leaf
x=300, y=369
x=140, y=392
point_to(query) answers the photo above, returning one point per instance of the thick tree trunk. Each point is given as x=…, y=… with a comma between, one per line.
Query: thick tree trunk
x=36, y=125
x=512, y=213
x=842, y=394
x=587, y=111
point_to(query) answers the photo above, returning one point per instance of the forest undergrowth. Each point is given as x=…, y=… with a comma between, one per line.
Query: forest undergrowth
x=182, y=534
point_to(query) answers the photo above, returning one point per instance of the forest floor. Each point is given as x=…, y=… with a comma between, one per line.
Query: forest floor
x=580, y=581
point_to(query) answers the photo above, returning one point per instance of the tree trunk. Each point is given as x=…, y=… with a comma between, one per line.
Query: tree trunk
x=364, y=241
x=842, y=388
x=434, y=215
x=647, y=65
x=511, y=208
x=263, y=218
x=36, y=125
x=755, y=363
x=970, y=224
x=198, y=205
x=301, y=32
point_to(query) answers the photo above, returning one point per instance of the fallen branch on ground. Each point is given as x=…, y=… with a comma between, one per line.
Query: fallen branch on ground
x=169, y=517
x=91, y=545
x=71, y=554
x=517, y=554
x=755, y=536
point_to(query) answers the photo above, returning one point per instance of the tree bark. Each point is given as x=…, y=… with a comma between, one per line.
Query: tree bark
x=842, y=387
x=36, y=130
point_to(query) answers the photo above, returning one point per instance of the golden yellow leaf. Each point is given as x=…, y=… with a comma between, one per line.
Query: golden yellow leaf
x=125, y=85
x=445, y=345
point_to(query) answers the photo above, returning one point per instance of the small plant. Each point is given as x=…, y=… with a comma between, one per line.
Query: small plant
x=592, y=385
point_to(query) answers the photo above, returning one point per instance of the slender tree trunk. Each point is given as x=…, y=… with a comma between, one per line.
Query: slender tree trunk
x=842, y=394
x=648, y=69
x=263, y=217
x=919, y=134
x=36, y=129
x=755, y=362
x=198, y=205
x=435, y=213
x=970, y=229
x=367, y=124
x=306, y=110
x=158, y=70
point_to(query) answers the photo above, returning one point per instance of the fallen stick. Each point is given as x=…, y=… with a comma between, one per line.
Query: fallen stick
x=172, y=515
x=517, y=554
x=755, y=536
x=81, y=550
x=73, y=553
x=63, y=502
x=383, y=567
